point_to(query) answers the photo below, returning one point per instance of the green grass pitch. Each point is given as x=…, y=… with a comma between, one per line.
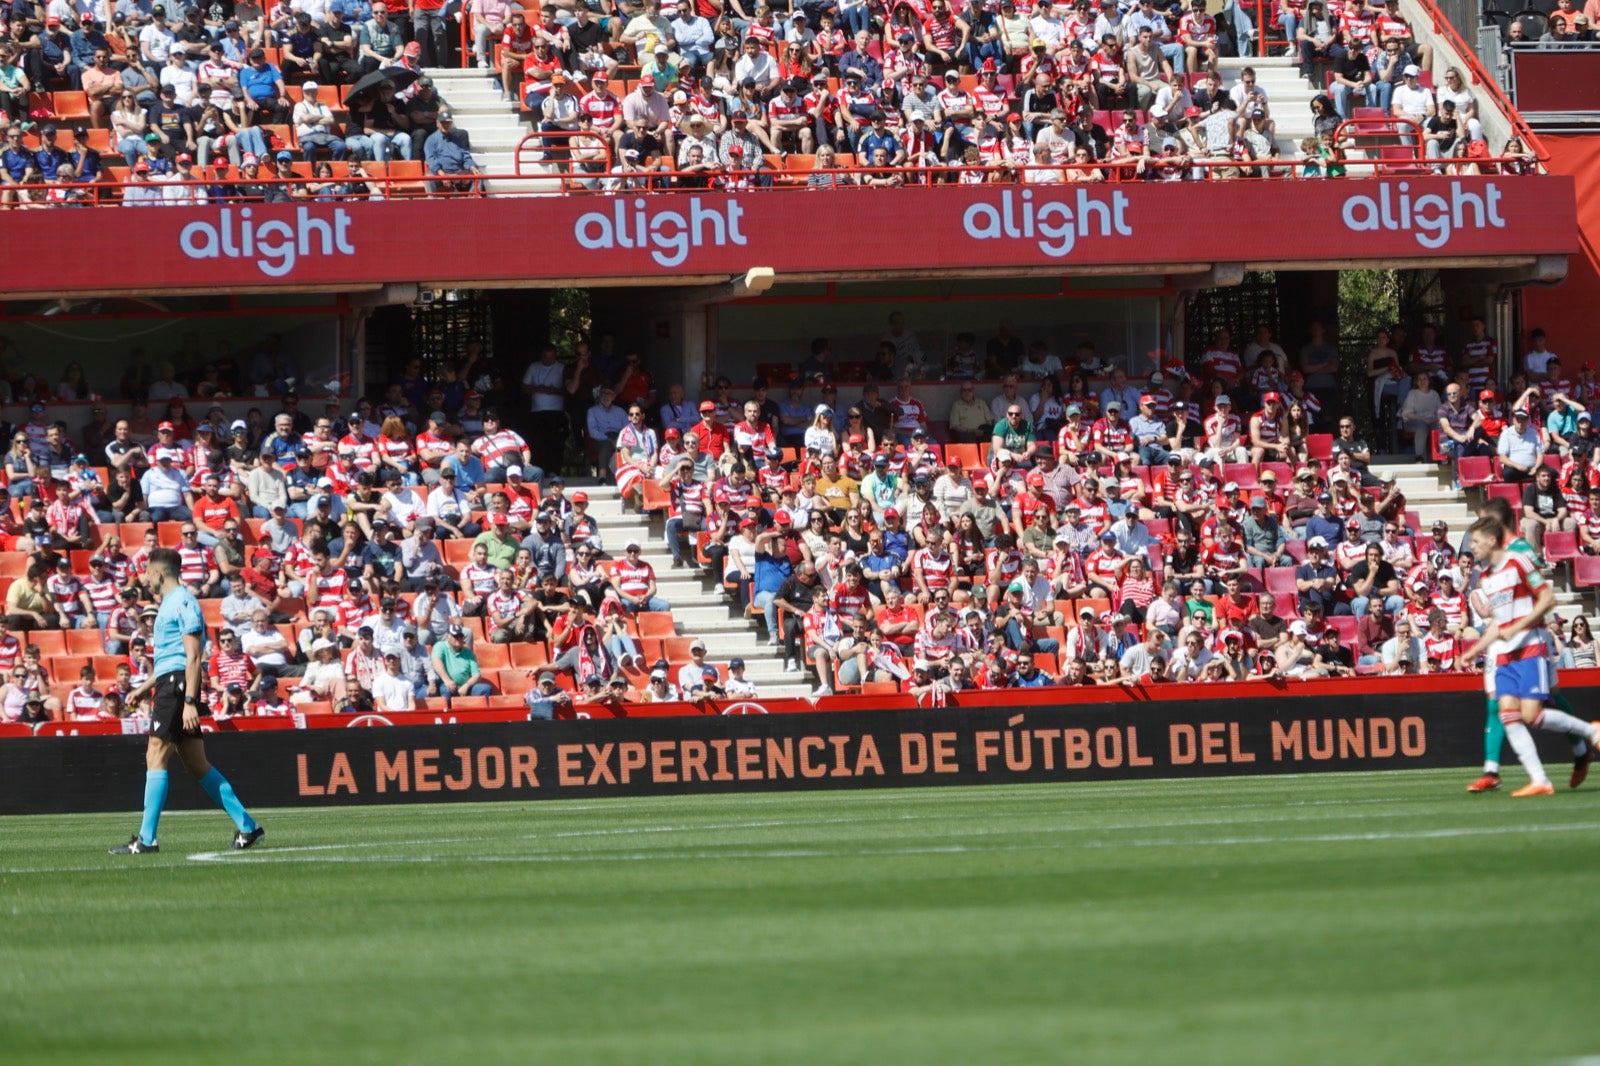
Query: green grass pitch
x=1352, y=919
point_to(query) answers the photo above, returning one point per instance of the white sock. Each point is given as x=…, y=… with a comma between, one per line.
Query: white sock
x=1561, y=722
x=1491, y=767
x=1522, y=743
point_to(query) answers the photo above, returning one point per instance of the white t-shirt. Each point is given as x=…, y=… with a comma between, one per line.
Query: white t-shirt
x=393, y=693
x=1409, y=101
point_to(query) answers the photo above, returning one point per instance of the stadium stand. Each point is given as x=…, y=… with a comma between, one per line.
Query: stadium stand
x=1012, y=561
x=762, y=104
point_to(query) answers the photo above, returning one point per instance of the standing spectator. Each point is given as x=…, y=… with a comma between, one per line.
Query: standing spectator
x=544, y=383
x=1419, y=414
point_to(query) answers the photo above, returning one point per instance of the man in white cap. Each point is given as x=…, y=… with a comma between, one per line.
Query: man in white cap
x=314, y=127
x=1411, y=100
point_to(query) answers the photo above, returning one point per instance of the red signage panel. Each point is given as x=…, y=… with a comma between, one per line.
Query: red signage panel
x=666, y=235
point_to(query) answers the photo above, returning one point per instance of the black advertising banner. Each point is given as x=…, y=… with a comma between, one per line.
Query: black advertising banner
x=754, y=752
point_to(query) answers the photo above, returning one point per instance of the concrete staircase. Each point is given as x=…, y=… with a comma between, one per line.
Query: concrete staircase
x=494, y=124
x=698, y=606
x=1429, y=492
x=1288, y=96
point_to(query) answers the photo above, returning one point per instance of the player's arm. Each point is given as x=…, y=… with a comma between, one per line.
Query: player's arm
x=191, y=681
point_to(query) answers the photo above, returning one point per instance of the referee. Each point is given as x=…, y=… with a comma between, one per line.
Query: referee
x=175, y=708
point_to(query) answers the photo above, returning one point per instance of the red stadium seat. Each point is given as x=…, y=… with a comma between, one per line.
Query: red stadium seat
x=1512, y=494
x=50, y=642
x=1561, y=546
x=1586, y=571
x=1346, y=625
x=1244, y=474
x=491, y=656
x=1296, y=549
x=85, y=641
x=1473, y=470
x=1280, y=579
x=1319, y=446
x=526, y=655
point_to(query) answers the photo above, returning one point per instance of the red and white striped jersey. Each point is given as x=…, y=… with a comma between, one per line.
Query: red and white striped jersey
x=634, y=580
x=504, y=448
x=738, y=496
x=1510, y=590
x=1033, y=63
x=909, y=414
x=991, y=102
x=937, y=649
x=691, y=496
x=505, y=603
x=1270, y=430
x=481, y=580
x=230, y=668
x=84, y=704
x=780, y=108
x=197, y=564
x=937, y=569
x=1010, y=564
x=1432, y=359
x=365, y=666
x=1115, y=438
x=957, y=100
x=1478, y=376
x=757, y=439
x=10, y=651
x=330, y=586
x=103, y=594
x=847, y=602
x=64, y=590
x=1197, y=26
x=1217, y=363
x=174, y=451
x=601, y=107
x=1103, y=563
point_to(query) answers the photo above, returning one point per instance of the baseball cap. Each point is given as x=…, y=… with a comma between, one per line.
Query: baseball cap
x=736, y=664
x=1258, y=501
x=1220, y=400
x=707, y=407
x=783, y=517
x=1412, y=70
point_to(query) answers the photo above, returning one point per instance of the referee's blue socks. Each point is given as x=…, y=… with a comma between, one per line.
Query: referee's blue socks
x=155, y=798
x=221, y=794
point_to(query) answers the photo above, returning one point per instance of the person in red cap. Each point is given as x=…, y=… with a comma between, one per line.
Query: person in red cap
x=1269, y=432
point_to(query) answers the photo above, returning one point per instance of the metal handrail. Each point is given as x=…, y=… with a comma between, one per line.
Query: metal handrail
x=1476, y=75
x=664, y=180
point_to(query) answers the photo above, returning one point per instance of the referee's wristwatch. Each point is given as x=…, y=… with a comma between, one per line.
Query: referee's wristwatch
x=192, y=701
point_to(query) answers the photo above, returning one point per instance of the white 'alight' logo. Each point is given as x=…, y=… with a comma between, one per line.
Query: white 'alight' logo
x=1430, y=218
x=1054, y=225
x=276, y=245
x=669, y=235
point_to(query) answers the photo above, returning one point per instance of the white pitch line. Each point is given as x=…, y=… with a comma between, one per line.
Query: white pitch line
x=282, y=854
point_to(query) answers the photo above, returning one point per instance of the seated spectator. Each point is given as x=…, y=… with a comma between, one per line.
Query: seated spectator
x=448, y=154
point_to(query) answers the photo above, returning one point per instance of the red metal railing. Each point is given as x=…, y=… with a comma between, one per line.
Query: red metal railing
x=535, y=150
x=657, y=179
x=1481, y=78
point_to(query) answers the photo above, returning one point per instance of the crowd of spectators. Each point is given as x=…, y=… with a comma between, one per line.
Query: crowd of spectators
x=1181, y=524
x=887, y=94
x=229, y=96
x=1045, y=539
x=1038, y=93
